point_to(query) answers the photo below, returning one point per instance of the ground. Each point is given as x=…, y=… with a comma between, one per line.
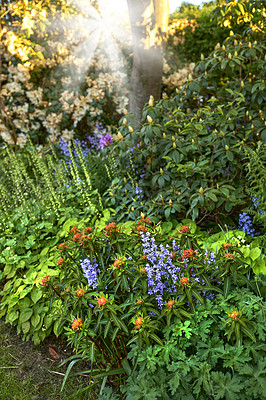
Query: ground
x=29, y=372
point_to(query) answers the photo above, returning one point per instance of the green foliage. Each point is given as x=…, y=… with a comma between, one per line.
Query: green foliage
x=199, y=359
x=105, y=296
x=195, y=33
x=186, y=156
x=256, y=183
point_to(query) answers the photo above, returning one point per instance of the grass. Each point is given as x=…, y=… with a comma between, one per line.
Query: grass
x=28, y=372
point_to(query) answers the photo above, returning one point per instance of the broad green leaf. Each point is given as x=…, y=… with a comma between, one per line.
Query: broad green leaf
x=25, y=315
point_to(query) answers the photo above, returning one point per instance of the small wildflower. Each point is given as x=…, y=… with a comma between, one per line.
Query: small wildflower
x=111, y=228
x=76, y=324
x=102, y=301
x=144, y=221
x=185, y=229
x=229, y=256
x=45, y=280
x=80, y=292
x=83, y=238
x=142, y=270
x=188, y=253
x=116, y=264
x=60, y=261
x=170, y=303
x=183, y=281
x=139, y=301
x=76, y=237
x=74, y=229
x=67, y=290
x=141, y=228
x=226, y=245
x=87, y=230
x=62, y=246
x=234, y=315
x=139, y=322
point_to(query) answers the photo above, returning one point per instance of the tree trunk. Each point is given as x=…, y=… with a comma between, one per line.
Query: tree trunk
x=149, y=22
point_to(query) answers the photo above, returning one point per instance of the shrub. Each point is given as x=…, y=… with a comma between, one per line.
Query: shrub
x=211, y=356
x=119, y=284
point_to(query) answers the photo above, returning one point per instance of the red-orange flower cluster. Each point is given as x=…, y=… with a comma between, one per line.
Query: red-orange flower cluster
x=102, y=301
x=74, y=229
x=111, y=228
x=116, y=264
x=45, y=280
x=142, y=271
x=84, y=238
x=60, y=261
x=141, y=228
x=185, y=229
x=87, y=230
x=188, y=253
x=183, y=281
x=76, y=237
x=229, y=256
x=80, y=292
x=62, y=246
x=139, y=322
x=76, y=324
x=139, y=301
x=144, y=221
x=226, y=245
x=170, y=303
x=234, y=315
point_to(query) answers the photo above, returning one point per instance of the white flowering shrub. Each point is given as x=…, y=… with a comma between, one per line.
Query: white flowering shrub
x=47, y=89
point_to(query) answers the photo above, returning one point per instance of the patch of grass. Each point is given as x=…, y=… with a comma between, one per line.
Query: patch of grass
x=28, y=372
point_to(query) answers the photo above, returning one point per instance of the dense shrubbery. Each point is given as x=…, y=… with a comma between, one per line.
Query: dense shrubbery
x=95, y=246
x=202, y=358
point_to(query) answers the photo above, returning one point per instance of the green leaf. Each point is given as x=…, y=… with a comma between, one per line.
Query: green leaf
x=25, y=327
x=35, y=319
x=12, y=316
x=255, y=253
x=35, y=295
x=25, y=315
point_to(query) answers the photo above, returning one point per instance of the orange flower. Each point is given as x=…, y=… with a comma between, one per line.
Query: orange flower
x=139, y=301
x=229, y=256
x=45, y=280
x=183, y=281
x=80, y=292
x=188, y=253
x=74, y=229
x=116, y=264
x=142, y=271
x=227, y=245
x=170, y=303
x=87, y=230
x=144, y=221
x=111, y=228
x=234, y=314
x=102, y=301
x=76, y=237
x=60, y=261
x=84, y=238
x=76, y=324
x=62, y=246
x=141, y=228
x=139, y=322
x=185, y=229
